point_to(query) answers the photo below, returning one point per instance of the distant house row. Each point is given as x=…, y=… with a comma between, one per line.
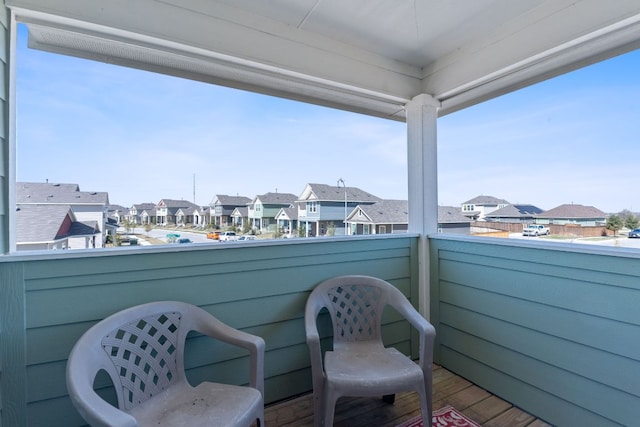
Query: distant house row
x=492, y=209
x=319, y=210
x=60, y=216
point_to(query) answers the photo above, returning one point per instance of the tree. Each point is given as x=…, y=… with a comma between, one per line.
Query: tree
x=128, y=226
x=331, y=230
x=614, y=222
x=147, y=228
x=629, y=220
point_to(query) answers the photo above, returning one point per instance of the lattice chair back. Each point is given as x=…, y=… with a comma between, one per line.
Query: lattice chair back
x=356, y=311
x=145, y=355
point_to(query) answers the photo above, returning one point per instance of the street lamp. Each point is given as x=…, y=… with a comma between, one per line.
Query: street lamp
x=344, y=221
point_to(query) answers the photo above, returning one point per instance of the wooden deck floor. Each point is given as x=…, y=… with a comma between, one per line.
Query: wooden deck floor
x=448, y=389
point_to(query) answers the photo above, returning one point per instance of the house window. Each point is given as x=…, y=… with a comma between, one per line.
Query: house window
x=366, y=229
x=312, y=207
x=382, y=229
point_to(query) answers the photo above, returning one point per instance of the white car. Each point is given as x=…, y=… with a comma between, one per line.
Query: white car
x=227, y=236
x=535, y=230
x=245, y=238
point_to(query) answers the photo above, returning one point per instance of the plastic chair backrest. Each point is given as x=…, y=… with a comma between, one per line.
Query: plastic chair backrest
x=144, y=353
x=355, y=308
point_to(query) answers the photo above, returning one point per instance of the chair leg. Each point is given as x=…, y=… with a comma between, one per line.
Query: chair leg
x=389, y=398
x=425, y=406
x=318, y=409
x=329, y=408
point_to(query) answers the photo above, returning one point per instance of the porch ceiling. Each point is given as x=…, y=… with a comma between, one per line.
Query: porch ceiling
x=360, y=55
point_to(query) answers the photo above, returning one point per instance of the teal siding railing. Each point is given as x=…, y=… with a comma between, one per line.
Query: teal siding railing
x=553, y=328
x=48, y=301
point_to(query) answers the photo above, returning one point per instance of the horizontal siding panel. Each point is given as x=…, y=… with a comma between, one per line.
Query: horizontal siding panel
x=54, y=413
x=62, y=306
x=580, y=391
x=577, y=327
x=615, y=270
x=137, y=259
x=619, y=303
x=609, y=369
x=149, y=270
x=552, y=409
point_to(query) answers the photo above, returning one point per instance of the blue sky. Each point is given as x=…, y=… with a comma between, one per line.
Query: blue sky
x=142, y=137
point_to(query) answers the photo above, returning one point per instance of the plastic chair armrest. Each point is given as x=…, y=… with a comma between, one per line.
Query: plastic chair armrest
x=214, y=328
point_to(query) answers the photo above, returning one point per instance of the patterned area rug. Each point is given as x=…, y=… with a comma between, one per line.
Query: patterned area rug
x=444, y=417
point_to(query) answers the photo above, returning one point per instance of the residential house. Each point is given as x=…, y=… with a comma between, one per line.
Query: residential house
x=451, y=220
x=392, y=216
x=89, y=207
x=185, y=216
x=478, y=207
x=202, y=217
x=117, y=212
x=572, y=214
x=526, y=321
x=287, y=221
x=142, y=213
x=321, y=207
x=222, y=207
x=263, y=209
x=514, y=213
x=167, y=211
x=381, y=217
x=240, y=217
x=50, y=227
x=148, y=215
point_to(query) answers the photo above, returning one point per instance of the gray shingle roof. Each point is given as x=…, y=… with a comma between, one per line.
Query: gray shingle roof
x=44, y=223
x=332, y=193
x=387, y=212
x=225, y=200
x=40, y=192
x=451, y=215
x=486, y=200
x=40, y=223
x=397, y=212
x=188, y=211
x=243, y=211
x=573, y=211
x=172, y=203
x=144, y=206
x=515, y=211
x=276, y=198
x=291, y=213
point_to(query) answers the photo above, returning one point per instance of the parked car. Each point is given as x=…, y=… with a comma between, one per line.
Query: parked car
x=226, y=236
x=535, y=230
x=635, y=233
x=213, y=235
x=246, y=237
x=184, y=240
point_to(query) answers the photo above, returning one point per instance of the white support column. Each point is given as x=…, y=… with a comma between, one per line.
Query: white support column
x=423, y=184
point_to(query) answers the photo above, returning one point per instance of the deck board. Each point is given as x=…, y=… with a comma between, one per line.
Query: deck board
x=448, y=389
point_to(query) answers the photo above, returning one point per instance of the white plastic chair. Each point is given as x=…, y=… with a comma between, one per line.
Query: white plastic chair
x=359, y=364
x=142, y=350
